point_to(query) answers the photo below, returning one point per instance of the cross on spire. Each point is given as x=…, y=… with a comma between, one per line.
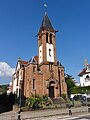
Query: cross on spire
x=45, y=8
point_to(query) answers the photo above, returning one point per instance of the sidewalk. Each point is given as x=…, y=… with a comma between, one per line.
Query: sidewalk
x=41, y=113
x=52, y=112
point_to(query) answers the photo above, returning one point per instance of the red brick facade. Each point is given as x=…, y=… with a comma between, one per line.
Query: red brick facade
x=42, y=74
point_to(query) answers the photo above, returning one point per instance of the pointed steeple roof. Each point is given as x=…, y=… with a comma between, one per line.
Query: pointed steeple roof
x=46, y=24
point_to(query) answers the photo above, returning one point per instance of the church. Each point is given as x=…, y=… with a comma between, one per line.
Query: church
x=42, y=74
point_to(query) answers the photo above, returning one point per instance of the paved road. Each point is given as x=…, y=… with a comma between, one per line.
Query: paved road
x=49, y=114
x=85, y=116
x=76, y=116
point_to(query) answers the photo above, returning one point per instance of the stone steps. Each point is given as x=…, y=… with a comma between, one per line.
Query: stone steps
x=59, y=100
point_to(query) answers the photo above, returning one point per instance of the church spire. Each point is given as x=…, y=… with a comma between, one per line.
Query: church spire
x=46, y=24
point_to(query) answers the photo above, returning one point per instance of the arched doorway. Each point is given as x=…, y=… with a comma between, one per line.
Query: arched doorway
x=51, y=89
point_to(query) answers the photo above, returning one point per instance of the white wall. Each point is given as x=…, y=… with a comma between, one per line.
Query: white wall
x=50, y=58
x=84, y=81
x=14, y=85
x=40, y=54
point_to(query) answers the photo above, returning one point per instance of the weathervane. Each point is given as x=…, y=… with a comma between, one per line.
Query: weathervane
x=45, y=8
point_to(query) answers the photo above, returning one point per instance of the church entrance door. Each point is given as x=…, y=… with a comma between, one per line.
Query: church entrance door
x=51, y=91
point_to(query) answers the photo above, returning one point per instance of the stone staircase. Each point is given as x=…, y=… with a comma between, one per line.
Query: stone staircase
x=59, y=101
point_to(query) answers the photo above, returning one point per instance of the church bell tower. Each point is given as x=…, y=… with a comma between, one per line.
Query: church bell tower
x=46, y=42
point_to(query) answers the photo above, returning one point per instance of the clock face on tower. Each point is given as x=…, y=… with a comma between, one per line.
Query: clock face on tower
x=50, y=52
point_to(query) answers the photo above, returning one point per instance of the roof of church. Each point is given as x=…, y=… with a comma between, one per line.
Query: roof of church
x=32, y=60
x=23, y=62
x=36, y=58
x=46, y=24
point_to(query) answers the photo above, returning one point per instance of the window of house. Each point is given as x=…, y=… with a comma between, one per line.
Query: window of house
x=46, y=37
x=39, y=70
x=87, y=76
x=33, y=83
x=50, y=38
x=34, y=68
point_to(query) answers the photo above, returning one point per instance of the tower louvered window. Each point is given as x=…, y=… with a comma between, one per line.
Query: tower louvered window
x=46, y=37
x=50, y=38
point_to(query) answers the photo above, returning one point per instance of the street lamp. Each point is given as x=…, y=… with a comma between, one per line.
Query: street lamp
x=20, y=98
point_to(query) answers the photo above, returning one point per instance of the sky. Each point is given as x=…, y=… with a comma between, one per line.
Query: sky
x=20, y=21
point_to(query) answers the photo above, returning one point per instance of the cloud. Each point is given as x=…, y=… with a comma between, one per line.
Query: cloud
x=6, y=70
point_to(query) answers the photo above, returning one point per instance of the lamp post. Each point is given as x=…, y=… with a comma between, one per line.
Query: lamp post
x=20, y=99
x=59, y=80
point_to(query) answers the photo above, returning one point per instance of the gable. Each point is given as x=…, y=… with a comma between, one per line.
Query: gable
x=32, y=61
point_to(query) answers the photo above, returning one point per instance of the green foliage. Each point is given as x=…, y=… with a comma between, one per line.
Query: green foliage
x=33, y=102
x=36, y=101
x=64, y=96
x=3, y=89
x=80, y=90
x=70, y=83
x=46, y=100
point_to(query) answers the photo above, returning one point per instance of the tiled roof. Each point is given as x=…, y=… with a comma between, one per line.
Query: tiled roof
x=23, y=62
x=32, y=60
x=36, y=58
x=46, y=24
x=83, y=72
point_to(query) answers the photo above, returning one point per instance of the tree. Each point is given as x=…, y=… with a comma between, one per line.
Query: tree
x=4, y=89
x=80, y=90
x=70, y=83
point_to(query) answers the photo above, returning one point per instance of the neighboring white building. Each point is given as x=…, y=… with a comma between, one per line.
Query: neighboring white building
x=17, y=77
x=85, y=76
x=9, y=88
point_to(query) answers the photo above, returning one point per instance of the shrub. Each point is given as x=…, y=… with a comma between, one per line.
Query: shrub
x=36, y=101
x=64, y=96
x=33, y=102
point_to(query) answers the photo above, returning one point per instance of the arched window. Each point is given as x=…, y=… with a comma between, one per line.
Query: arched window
x=87, y=76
